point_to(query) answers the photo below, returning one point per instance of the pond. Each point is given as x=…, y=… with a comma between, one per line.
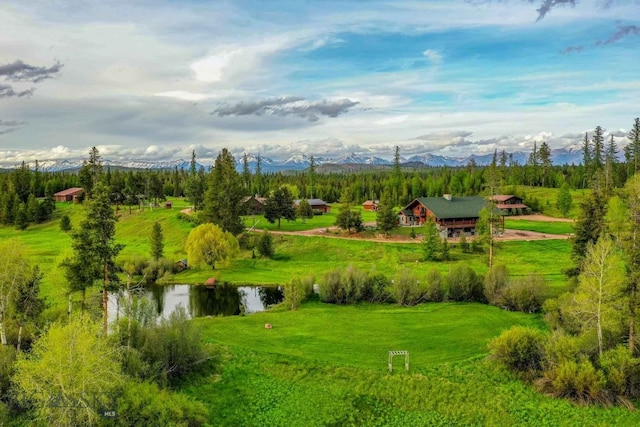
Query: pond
x=199, y=301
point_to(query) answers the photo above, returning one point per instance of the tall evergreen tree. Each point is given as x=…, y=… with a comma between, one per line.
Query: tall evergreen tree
x=258, y=179
x=312, y=176
x=246, y=173
x=156, y=241
x=590, y=223
x=611, y=164
x=223, y=199
x=279, y=205
x=386, y=217
x=634, y=143
x=598, y=148
x=195, y=185
x=544, y=156
x=586, y=159
x=532, y=167
x=95, y=250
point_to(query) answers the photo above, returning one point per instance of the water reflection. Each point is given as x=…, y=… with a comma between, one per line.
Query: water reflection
x=219, y=300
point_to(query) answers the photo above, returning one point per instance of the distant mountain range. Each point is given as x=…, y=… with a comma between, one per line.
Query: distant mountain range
x=567, y=155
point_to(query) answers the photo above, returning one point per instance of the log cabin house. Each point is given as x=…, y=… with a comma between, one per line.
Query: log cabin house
x=509, y=204
x=453, y=215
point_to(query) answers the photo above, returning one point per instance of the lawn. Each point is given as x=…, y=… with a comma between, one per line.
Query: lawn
x=539, y=226
x=547, y=198
x=327, y=365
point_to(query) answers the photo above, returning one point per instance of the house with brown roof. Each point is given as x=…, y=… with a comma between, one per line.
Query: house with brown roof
x=318, y=206
x=254, y=205
x=452, y=215
x=68, y=195
x=509, y=204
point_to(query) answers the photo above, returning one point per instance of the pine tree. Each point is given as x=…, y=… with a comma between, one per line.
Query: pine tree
x=279, y=205
x=246, y=173
x=156, y=241
x=195, y=186
x=95, y=250
x=564, y=201
x=386, y=217
x=304, y=210
x=586, y=159
x=590, y=224
x=611, y=164
x=544, y=155
x=634, y=143
x=430, y=241
x=444, y=250
x=598, y=148
x=312, y=176
x=223, y=199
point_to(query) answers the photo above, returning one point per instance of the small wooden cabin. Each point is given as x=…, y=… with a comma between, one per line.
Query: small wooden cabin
x=68, y=195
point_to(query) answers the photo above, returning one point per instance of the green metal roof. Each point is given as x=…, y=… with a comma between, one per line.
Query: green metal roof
x=457, y=207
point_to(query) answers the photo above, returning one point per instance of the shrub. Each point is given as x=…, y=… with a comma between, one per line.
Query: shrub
x=168, y=350
x=297, y=291
x=525, y=294
x=352, y=282
x=265, y=245
x=464, y=284
x=622, y=373
x=520, y=348
x=145, y=404
x=329, y=288
x=578, y=381
x=247, y=241
x=495, y=282
x=406, y=289
x=375, y=288
x=436, y=290
x=65, y=223
x=560, y=348
x=156, y=270
x=7, y=359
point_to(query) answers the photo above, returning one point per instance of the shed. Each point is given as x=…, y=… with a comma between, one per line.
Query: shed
x=168, y=204
x=370, y=205
x=211, y=281
x=68, y=195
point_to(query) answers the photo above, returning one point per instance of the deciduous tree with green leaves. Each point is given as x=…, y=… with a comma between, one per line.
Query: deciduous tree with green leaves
x=69, y=374
x=208, y=244
x=598, y=301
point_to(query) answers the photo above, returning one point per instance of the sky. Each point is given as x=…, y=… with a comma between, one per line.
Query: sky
x=155, y=79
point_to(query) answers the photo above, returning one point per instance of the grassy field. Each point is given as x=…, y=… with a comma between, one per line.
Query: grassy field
x=547, y=198
x=295, y=255
x=539, y=226
x=327, y=365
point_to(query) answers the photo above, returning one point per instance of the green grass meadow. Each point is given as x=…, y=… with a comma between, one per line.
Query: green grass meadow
x=327, y=365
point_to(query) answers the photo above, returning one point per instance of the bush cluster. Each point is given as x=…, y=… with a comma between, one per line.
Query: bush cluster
x=152, y=270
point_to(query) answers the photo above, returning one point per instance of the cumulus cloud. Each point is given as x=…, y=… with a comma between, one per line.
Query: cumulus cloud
x=622, y=32
x=287, y=106
x=18, y=71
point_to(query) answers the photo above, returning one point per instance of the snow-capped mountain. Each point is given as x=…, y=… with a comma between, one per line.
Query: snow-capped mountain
x=568, y=155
